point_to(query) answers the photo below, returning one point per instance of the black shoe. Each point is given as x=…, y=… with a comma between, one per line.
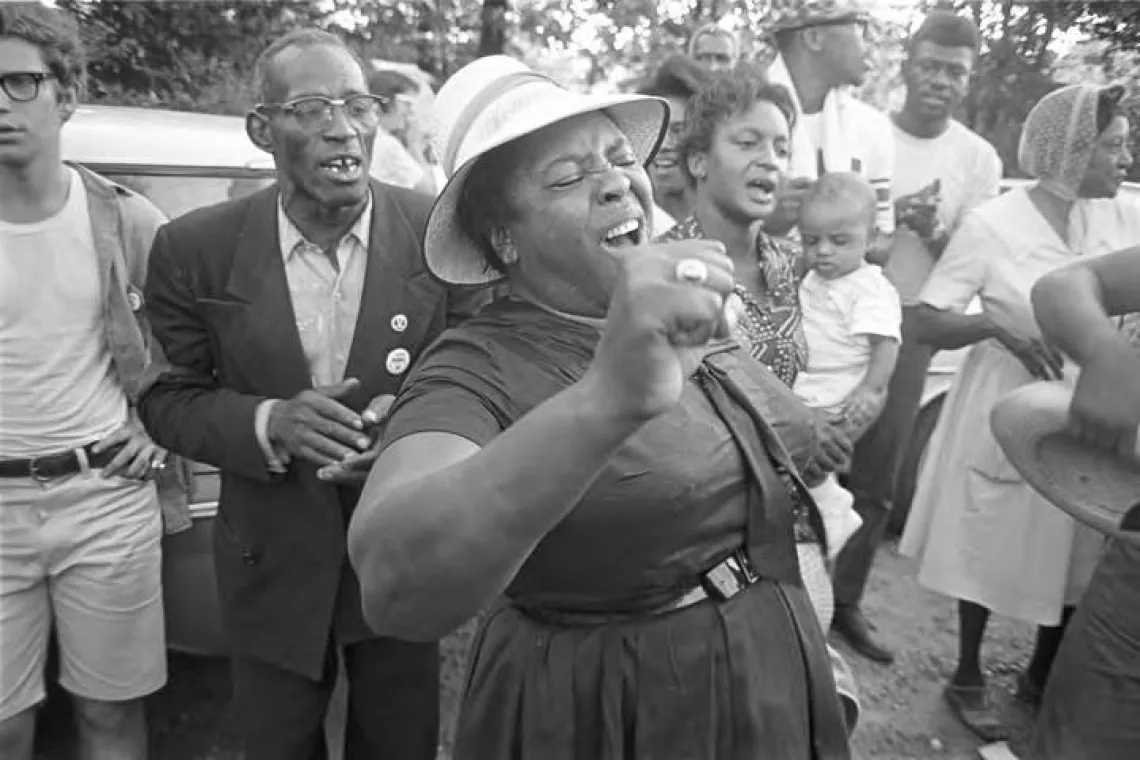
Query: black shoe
x=853, y=628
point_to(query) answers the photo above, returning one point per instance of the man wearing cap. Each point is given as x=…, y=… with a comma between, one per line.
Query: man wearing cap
x=942, y=170
x=288, y=318
x=714, y=48
x=80, y=521
x=821, y=54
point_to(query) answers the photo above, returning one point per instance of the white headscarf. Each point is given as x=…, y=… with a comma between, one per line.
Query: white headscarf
x=1059, y=137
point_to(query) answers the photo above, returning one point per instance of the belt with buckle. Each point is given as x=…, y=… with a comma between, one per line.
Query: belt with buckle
x=721, y=582
x=51, y=466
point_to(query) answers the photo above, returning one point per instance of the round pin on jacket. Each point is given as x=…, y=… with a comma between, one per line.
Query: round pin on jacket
x=398, y=361
x=134, y=300
x=399, y=323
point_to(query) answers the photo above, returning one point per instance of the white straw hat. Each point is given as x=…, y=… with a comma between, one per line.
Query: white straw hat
x=1097, y=488
x=490, y=102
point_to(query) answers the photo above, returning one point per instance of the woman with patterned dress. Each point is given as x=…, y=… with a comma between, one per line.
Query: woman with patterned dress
x=735, y=151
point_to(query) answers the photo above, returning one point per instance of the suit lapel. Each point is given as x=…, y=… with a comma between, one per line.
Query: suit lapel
x=257, y=279
x=393, y=248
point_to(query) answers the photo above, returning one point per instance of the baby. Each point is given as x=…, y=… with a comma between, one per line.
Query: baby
x=851, y=318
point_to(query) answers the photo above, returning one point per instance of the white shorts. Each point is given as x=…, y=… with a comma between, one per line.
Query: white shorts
x=85, y=553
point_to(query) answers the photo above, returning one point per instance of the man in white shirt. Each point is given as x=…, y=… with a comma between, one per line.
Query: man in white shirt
x=821, y=55
x=942, y=170
x=80, y=521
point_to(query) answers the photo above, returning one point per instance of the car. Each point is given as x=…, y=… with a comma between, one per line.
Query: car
x=180, y=161
x=943, y=369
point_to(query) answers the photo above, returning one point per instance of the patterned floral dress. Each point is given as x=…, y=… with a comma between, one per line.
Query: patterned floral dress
x=772, y=327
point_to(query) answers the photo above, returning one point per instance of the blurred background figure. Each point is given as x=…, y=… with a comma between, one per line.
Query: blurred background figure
x=714, y=48
x=401, y=153
x=676, y=81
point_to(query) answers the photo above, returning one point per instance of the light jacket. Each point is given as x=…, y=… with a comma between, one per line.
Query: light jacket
x=123, y=226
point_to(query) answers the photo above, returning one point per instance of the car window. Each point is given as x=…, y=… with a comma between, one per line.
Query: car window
x=176, y=195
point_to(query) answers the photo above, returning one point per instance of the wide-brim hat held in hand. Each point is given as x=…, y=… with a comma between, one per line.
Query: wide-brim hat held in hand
x=489, y=103
x=1100, y=489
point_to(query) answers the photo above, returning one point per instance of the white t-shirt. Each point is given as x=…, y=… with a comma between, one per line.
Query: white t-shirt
x=866, y=136
x=392, y=163
x=967, y=165
x=57, y=385
x=839, y=317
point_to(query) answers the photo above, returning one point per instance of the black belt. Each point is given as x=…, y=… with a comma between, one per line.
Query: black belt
x=51, y=466
x=721, y=582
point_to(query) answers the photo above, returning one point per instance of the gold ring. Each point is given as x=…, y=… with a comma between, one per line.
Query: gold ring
x=692, y=271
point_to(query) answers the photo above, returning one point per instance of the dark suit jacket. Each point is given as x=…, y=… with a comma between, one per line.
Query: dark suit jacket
x=219, y=303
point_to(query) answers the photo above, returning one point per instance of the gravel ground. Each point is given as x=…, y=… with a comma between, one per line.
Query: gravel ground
x=903, y=714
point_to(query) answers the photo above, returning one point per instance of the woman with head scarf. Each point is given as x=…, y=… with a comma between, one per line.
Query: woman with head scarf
x=593, y=449
x=982, y=536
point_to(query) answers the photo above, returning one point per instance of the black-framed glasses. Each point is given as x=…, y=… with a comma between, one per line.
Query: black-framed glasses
x=23, y=86
x=315, y=112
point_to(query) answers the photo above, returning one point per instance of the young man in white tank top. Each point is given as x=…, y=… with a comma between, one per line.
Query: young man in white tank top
x=80, y=523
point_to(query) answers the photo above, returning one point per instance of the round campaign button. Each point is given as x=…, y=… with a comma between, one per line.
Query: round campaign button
x=398, y=361
x=135, y=300
x=399, y=323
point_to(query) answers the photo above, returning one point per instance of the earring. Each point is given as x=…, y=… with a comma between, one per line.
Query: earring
x=504, y=247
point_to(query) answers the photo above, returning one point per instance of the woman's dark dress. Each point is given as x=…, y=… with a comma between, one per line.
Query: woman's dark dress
x=572, y=668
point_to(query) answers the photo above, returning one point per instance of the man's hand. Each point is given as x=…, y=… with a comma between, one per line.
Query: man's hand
x=354, y=469
x=919, y=211
x=789, y=198
x=139, y=459
x=315, y=426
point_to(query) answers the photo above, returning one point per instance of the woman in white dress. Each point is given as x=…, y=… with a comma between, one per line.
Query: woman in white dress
x=981, y=535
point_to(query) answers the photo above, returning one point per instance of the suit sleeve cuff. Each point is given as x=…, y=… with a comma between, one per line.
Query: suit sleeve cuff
x=276, y=461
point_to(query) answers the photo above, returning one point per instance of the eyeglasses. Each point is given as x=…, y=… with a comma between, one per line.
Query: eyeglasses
x=315, y=112
x=23, y=86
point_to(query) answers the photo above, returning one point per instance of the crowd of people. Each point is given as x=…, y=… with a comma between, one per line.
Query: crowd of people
x=627, y=376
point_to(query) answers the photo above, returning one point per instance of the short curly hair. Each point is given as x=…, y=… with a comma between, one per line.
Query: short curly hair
x=55, y=33
x=727, y=95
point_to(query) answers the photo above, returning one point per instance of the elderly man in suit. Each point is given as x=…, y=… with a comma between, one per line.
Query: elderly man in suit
x=288, y=319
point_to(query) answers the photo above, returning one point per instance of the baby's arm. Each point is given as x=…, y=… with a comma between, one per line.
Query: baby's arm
x=862, y=406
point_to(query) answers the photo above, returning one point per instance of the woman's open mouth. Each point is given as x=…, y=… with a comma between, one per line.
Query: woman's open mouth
x=761, y=189
x=627, y=233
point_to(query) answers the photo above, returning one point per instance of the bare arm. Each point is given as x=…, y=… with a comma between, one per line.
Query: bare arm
x=864, y=404
x=1073, y=304
x=947, y=330
x=441, y=519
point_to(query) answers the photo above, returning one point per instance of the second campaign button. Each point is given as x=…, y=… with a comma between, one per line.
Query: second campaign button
x=398, y=361
x=399, y=323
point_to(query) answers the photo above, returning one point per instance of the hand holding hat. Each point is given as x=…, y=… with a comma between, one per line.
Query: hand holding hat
x=1078, y=449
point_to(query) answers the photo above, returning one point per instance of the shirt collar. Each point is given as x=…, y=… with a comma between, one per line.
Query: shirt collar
x=291, y=237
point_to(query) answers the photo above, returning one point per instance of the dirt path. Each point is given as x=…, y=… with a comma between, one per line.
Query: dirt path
x=903, y=715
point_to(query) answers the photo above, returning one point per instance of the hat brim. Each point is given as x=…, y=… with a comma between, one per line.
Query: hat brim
x=798, y=24
x=1096, y=488
x=454, y=258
